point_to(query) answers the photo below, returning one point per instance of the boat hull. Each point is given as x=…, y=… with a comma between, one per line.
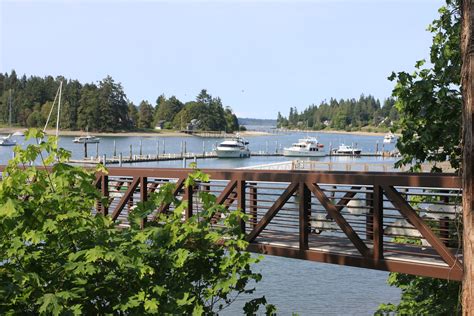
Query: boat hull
x=294, y=153
x=87, y=141
x=351, y=152
x=232, y=153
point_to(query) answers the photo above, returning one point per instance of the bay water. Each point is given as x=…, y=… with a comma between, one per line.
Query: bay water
x=299, y=286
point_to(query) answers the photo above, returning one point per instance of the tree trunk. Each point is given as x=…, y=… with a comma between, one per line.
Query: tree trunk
x=467, y=77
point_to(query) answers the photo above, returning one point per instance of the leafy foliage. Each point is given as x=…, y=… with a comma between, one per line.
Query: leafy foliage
x=57, y=258
x=429, y=100
x=423, y=296
x=350, y=114
x=429, y=103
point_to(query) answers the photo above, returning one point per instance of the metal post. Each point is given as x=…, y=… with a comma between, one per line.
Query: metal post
x=203, y=148
x=266, y=147
x=164, y=147
x=241, y=202
x=141, y=145
x=104, y=160
x=377, y=225
x=97, y=150
x=115, y=149
x=105, y=192
x=185, y=147
x=120, y=160
x=85, y=149
x=304, y=214
x=131, y=152
x=184, y=162
x=253, y=203
x=143, y=197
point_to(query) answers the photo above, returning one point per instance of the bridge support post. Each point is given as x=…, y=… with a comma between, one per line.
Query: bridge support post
x=241, y=201
x=104, y=186
x=304, y=213
x=467, y=83
x=188, y=197
x=377, y=223
x=143, y=196
x=253, y=204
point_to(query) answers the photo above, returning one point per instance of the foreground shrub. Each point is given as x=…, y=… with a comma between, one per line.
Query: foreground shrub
x=57, y=258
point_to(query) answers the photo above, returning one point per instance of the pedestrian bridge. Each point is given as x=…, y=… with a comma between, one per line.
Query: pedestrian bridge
x=399, y=222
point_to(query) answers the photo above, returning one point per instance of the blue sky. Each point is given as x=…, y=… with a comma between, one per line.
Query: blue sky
x=260, y=57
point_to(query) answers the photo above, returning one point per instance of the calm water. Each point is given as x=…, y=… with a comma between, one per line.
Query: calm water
x=304, y=287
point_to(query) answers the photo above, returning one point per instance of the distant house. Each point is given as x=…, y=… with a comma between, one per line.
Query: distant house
x=327, y=122
x=193, y=125
x=160, y=125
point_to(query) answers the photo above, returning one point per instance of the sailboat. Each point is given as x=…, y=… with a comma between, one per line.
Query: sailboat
x=7, y=140
x=58, y=93
x=89, y=139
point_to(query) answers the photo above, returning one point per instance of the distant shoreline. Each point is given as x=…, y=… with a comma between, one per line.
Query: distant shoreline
x=166, y=133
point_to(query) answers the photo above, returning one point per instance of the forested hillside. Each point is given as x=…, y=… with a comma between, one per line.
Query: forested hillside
x=104, y=106
x=349, y=114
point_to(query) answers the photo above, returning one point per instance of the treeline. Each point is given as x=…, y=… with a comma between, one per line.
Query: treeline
x=349, y=114
x=104, y=107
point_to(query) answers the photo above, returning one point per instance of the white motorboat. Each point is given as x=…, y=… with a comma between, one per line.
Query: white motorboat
x=89, y=139
x=347, y=150
x=305, y=147
x=7, y=141
x=389, y=138
x=236, y=147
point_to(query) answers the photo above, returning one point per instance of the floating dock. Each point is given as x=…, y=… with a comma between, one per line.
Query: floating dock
x=204, y=155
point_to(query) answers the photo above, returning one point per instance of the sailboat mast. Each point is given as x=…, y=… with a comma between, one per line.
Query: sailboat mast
x=59, y=108
x=10, y=108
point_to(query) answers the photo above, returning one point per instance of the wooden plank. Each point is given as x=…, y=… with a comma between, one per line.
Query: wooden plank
x=407, y=211
x=125, y=198
x=272, y=211
x=339, y=219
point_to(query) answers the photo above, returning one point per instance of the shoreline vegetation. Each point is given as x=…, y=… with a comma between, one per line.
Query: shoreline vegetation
x=172, y=133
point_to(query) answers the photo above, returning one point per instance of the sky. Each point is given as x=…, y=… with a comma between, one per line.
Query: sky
x=259, y=57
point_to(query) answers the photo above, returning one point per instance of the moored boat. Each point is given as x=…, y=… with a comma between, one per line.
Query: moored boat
x=347, y=150
x=389, y=138
x=89, y=139
x=236, y=147
x=7, y=141
x=305, y=147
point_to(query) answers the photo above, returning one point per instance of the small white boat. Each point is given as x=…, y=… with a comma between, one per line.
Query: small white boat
x=305, y=147
x=89, y=139
x=18, y=133
x=389, y=138
x=236, y=147
x=7, y=141
x=347, y=150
